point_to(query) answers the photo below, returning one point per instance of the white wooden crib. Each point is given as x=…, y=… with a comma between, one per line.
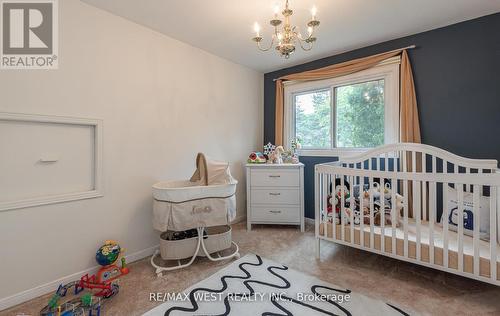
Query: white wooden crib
x=423, y=175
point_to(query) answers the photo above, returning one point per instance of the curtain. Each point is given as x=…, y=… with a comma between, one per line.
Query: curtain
x=409, y=123
x=409, y=129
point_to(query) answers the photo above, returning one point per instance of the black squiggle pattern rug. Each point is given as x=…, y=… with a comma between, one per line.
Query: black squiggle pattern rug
x=254, y=285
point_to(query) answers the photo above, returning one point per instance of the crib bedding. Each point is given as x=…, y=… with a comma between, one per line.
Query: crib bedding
x=468, y=249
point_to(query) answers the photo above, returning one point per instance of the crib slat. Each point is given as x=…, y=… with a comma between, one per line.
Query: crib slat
x=445, y=224
x=413, y=161
x=468, y=188
x=331, y=179
x=352, y=207
x=317, y=203
x=386, y=162
x=460, y=190
x=372, y=222
x=417, y=212
x=324, y=200
x=405, y=167
x=493, y=232
x=394, y=216
x=382, y=215
x=361, y=206
x=405, y=217
x=477, y=220
x=424, y=188
x=342, y=207
x=432, y=215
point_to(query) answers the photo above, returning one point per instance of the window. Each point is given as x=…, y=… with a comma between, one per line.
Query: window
x=349, y=114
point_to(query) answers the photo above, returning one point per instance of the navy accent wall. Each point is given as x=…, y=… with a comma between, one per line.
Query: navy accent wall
x=457, y=80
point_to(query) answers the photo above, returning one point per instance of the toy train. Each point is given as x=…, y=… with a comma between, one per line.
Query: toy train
x=77, y=306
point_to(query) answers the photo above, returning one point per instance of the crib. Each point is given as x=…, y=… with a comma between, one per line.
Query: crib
x=418, y=192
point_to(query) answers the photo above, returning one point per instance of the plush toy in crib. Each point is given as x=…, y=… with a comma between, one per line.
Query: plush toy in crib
x=378, y=214
x=357, y=216
x=334, y=200
x=385, y=215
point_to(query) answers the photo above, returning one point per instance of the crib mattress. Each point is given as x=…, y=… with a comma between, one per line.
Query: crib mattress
x=468, y=249
x=177, y=191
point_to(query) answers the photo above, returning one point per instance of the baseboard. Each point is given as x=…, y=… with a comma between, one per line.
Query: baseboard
x=43, y=289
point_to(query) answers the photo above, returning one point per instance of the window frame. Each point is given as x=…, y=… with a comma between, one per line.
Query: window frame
x=387, y=70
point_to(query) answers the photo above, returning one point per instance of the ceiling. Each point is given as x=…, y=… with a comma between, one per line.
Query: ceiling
x=225, y=27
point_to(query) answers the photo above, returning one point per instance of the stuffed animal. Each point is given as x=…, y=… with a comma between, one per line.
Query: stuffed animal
x=334, y=200
x=276, y=156
x=279, y=154
x=377, y=213
x=399, y=207
x=357, y=216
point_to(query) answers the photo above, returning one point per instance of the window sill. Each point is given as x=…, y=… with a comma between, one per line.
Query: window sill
x=336, y=152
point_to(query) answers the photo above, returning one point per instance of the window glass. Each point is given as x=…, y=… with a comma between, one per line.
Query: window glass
x=313, y=119
x=360, y=115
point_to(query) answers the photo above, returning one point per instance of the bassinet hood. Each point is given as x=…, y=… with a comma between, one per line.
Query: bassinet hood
x=210, y=172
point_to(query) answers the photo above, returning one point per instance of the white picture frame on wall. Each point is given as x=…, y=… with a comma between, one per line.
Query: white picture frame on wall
x=96, y=189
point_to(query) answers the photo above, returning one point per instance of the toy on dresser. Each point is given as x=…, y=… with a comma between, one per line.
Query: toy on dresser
x=278, y=154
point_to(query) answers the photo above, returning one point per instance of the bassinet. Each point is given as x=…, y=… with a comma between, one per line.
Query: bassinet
x=207, y=200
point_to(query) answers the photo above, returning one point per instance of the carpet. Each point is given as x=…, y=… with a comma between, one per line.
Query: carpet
x=253, y=285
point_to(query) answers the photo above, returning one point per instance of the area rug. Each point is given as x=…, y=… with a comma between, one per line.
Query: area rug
x=253, y=285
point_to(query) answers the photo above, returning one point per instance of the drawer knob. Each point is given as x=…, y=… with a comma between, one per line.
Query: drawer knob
x=275, y=212
x=274, y=176
x=274, y=193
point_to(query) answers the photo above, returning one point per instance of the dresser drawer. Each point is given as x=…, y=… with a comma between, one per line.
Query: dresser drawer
x=275, y=196
x=275, y=178
x=278, y=214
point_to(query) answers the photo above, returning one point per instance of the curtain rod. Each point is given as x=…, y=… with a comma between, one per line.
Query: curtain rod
x=394, y=50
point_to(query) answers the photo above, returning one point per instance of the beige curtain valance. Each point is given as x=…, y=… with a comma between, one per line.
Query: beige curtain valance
x=409, y=123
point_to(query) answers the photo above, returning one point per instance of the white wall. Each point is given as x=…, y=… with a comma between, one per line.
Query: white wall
x=161, y=101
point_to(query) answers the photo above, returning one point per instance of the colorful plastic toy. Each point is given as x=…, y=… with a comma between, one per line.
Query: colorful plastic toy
x=256, y=157
x=106, y=256
x=87, y=304
x=101, y=285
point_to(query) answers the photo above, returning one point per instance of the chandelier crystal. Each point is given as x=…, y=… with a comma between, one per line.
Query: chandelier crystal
x=288, y=36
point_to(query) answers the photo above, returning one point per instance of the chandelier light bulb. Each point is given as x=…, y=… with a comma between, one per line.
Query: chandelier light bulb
x=280, y=36
x=314, y=11
x=310, y=30
x=256, y=28
x=276, y=10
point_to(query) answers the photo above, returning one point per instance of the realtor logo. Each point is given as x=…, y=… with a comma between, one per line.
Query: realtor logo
x=29, y=31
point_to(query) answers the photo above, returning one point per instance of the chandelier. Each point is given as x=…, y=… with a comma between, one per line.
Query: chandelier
x=288, y=36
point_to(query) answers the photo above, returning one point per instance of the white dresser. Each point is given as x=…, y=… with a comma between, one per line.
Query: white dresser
x=275, y=194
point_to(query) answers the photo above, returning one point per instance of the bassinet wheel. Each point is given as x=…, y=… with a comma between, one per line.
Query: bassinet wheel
x=237, y=255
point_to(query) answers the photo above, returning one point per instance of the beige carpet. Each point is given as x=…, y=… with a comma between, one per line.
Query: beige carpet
x=412, y=287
